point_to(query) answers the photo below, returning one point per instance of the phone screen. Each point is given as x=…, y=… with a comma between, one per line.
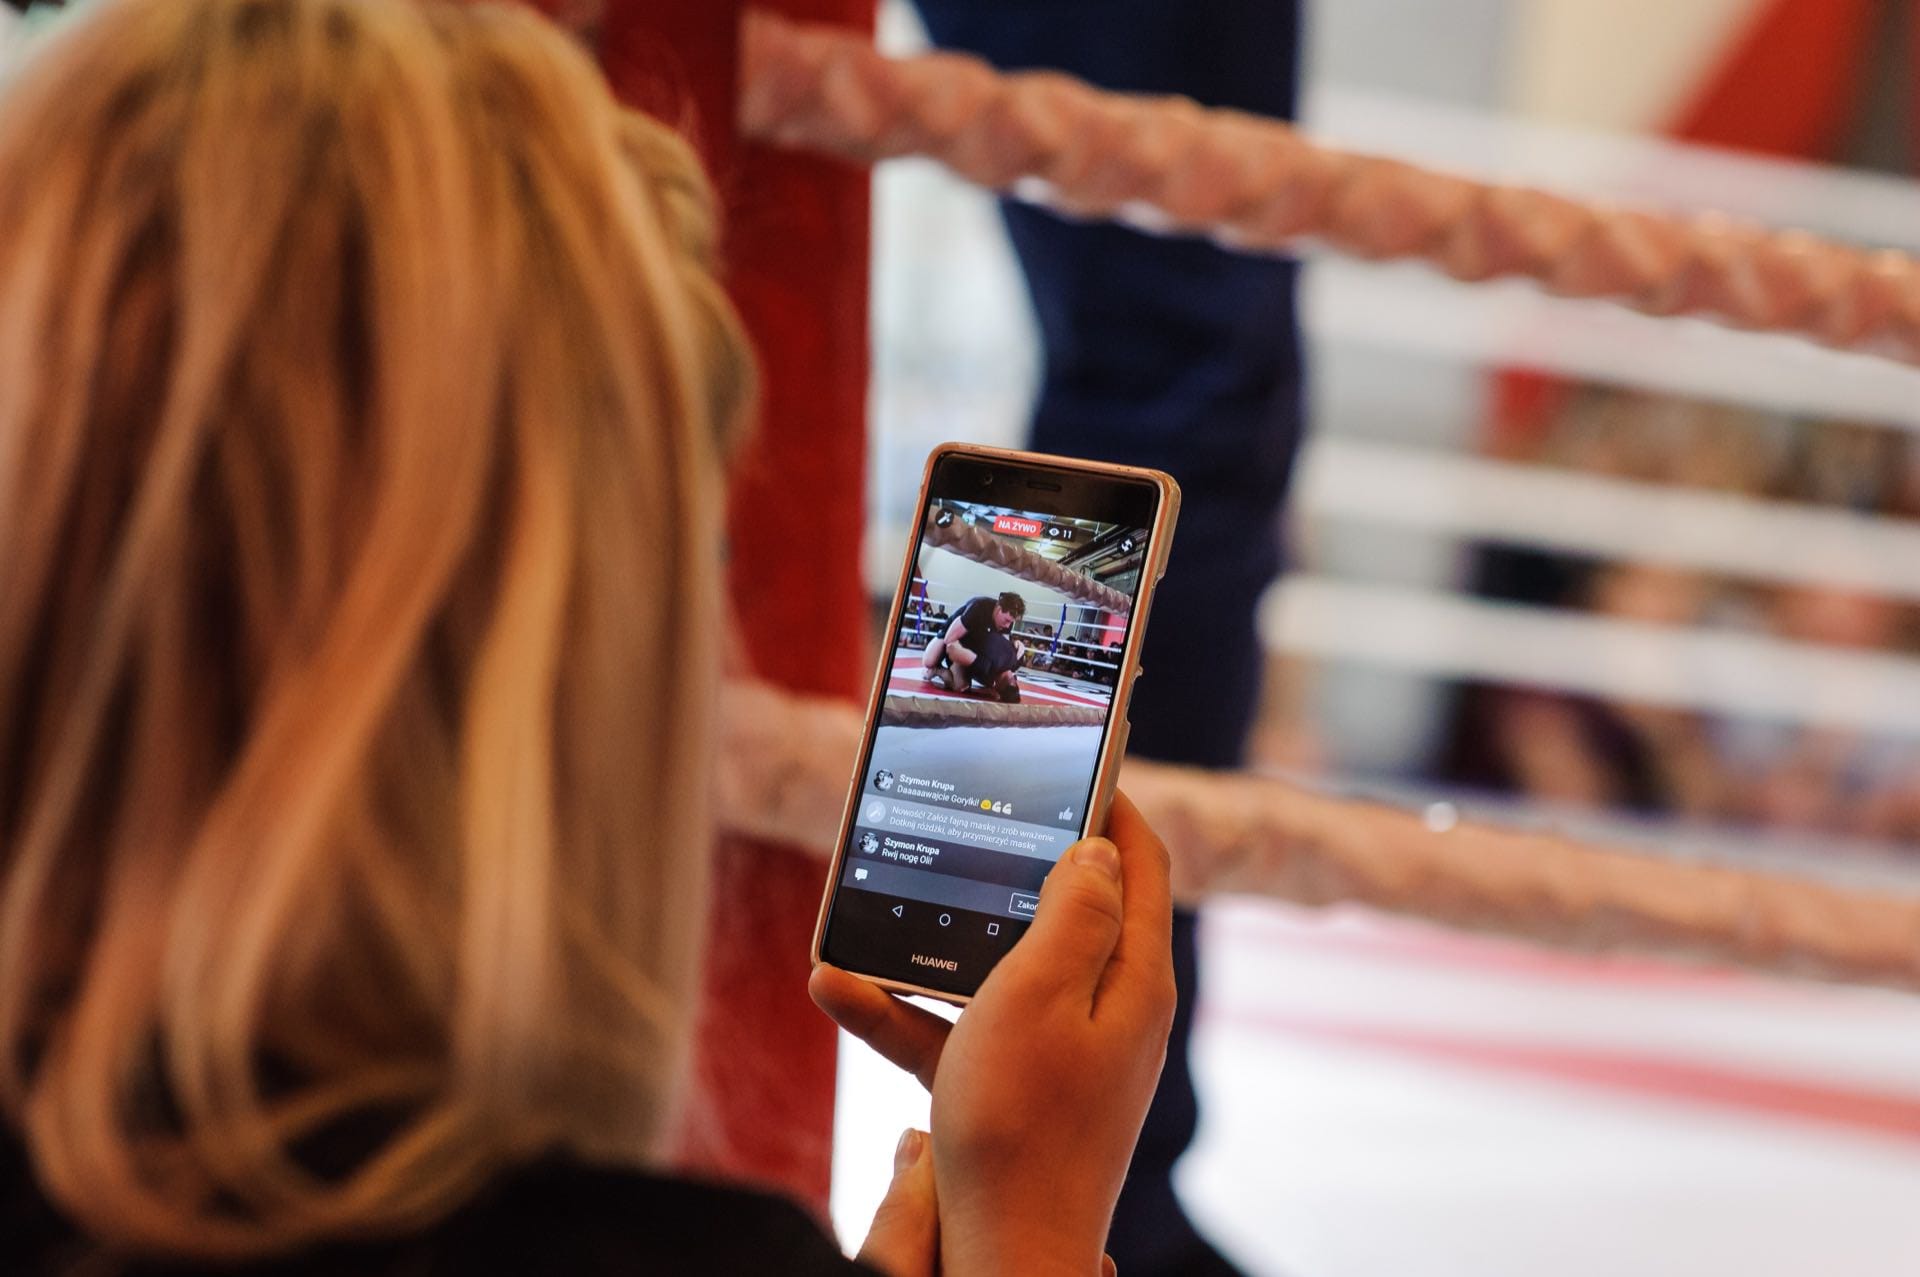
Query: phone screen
x=1006, y=654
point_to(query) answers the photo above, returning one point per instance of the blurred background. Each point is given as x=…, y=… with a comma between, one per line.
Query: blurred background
x=1646, y=581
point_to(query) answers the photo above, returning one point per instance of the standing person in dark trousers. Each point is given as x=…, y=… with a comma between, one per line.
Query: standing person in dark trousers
x=1176, y=354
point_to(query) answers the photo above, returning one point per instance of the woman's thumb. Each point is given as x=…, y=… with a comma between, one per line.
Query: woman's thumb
x=905, y=1238
x=1078, y=922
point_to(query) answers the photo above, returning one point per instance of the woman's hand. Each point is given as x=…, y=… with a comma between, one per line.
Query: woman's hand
x=905, y=1238
x=1040, y=1088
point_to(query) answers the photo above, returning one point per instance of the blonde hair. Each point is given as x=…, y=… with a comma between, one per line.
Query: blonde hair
x=363, y=385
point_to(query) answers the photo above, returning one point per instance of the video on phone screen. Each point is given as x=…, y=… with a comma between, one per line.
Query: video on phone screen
x=1005, y=659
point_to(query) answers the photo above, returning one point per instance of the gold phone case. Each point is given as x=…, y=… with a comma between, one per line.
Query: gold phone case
x=1112, y=749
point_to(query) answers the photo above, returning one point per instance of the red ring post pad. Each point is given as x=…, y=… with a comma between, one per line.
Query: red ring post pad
x=796, y=242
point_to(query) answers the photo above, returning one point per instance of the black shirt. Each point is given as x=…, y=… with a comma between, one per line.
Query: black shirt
x=553, y=1216
x=976, y=614
x=995, y=657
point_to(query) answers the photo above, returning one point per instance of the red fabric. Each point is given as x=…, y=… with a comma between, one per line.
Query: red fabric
x=797, y=247
x=1787, y=86
x=1522, y=405
x=1913, y=99
x=679, y=61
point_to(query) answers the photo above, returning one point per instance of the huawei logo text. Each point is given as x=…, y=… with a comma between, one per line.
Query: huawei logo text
x=945, y=964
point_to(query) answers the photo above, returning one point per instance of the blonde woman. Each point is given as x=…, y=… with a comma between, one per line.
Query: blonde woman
x=364, y=395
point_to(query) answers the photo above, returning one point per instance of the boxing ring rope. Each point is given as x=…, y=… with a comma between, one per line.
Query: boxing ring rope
x=969, y=542
x=786, y=759
x=1168, y=164
x=921, y=711
x=1600, y=516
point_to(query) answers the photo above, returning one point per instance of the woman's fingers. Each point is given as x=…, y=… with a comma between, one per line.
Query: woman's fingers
x=1143, y=960
x=905, y=1238
x=1075, y=928
x=902, y=1033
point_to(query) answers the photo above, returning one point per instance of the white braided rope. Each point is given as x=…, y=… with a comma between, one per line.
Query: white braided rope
x=1168, y=164
x=786, y=760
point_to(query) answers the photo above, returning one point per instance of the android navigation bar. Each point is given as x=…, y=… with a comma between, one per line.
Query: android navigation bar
x=944, y=892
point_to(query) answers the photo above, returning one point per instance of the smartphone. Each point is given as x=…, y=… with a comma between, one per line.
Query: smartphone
x=998, y=715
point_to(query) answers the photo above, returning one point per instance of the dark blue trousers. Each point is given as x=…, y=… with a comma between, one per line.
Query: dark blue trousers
x=1175, y=354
